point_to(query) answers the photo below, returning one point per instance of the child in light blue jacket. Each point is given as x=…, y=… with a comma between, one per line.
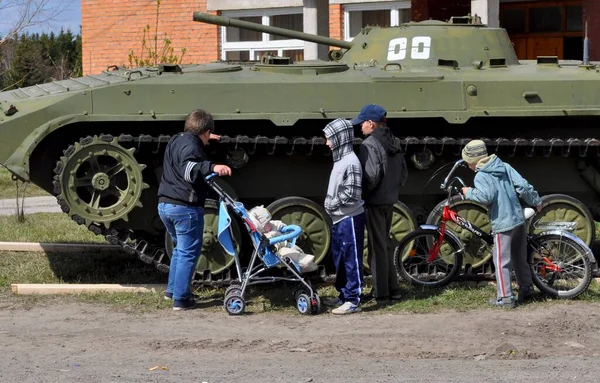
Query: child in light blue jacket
x=499, y=186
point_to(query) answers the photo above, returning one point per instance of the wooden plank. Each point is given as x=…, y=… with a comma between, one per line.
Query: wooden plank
x=60, y=288
x=57, y=247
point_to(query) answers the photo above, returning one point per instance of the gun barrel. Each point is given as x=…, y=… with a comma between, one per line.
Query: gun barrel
x=229, y=22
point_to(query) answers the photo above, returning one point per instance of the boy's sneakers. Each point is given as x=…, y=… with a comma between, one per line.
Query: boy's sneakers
x=346, y=308
x=506, y=302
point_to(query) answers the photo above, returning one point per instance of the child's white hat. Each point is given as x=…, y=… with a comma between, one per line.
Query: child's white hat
x=259, y=216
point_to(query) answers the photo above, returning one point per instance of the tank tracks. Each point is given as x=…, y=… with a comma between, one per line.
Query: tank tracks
x=155, y=254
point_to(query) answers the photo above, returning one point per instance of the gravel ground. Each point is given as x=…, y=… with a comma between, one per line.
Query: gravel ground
x=76, y=342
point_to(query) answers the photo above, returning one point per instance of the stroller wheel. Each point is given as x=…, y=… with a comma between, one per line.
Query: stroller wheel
x=300, y=290
x=235, y=304
x=303, y=304
x=307, y=305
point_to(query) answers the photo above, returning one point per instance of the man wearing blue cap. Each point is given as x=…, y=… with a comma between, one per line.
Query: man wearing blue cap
x=384, y=171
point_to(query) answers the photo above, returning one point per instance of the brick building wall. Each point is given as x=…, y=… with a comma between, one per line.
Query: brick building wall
x=591, y=15
x=336, y=21
x=110, y=28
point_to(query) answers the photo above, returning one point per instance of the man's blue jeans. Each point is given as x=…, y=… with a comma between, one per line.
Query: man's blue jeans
x=185, y=225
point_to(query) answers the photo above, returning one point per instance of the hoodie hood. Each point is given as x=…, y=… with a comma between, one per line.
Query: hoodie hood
x=491, y=165
x=341, y=134
x=390, y=144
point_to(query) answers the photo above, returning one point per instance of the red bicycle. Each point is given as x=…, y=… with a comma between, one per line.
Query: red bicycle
x=432, y=256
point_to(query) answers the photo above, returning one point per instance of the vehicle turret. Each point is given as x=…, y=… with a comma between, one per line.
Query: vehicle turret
x=460, y=42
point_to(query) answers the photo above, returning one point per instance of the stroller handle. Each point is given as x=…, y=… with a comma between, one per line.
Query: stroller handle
x=289, y=232
x=211, y=175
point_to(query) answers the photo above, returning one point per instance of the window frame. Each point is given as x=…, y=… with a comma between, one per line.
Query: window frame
x=393, y=6
x=266, y=43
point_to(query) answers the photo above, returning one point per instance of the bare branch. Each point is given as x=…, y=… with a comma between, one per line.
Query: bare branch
x=23, y=14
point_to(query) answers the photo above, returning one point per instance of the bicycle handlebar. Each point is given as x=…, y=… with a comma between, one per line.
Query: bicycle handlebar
x=456, y=165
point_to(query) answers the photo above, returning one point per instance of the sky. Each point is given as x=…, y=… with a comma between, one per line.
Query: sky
x=70, y=18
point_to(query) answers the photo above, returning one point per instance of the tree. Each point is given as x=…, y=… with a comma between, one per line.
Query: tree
x=29, y=13
x=16, y=17
x=28, y=65
x=36, y=59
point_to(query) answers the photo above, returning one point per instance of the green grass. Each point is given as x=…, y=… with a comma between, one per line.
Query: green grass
x=125, y=269
x=45, y=227
x=9, y=190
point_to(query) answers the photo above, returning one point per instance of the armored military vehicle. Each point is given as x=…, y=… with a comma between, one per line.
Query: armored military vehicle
x=97, y=141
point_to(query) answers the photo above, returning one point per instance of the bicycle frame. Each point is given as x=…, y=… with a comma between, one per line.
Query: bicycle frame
x=449, y=215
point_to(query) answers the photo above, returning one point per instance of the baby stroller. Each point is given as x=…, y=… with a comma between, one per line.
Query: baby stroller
x=307, y=300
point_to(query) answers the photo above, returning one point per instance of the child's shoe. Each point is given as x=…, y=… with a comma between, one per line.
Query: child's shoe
x=506, y=302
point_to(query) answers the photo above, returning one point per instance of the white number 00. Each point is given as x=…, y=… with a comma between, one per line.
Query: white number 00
x=420, y=49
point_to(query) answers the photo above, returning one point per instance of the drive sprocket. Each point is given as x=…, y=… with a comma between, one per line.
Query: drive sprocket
x=99, y=180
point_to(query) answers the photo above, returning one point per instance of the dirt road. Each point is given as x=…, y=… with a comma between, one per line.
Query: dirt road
x=69, y=342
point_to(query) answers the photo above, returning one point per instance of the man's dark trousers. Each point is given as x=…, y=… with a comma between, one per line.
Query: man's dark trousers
x=381, y=253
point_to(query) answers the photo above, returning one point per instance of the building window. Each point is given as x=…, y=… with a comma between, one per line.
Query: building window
x=383, y=14
x=243, y=45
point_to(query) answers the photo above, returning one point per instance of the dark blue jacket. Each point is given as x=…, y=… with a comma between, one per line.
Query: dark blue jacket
x=184, y=167
x=384, y=167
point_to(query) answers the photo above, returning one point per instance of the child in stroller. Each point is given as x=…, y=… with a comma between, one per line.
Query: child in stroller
x=261, y=218
x=266, y=251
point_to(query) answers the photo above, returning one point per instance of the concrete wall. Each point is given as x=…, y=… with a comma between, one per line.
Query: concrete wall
x=226, y=5
x=488, y=10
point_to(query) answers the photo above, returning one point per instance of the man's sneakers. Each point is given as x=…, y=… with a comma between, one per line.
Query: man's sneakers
x=396, y=296
x=525, y=293
x=346, y=308
x=386, y=300
x=185, y=304
x=506, y=302
x=332, y=301
x=169, y=296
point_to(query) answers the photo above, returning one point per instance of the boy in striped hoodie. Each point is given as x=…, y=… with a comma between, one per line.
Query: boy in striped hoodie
x=344, y=205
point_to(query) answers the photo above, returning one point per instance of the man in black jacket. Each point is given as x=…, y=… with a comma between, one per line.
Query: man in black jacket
x=384, y=171
x=181, y=197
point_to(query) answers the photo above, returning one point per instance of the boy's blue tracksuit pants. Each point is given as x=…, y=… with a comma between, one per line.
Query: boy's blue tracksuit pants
x=347, y=248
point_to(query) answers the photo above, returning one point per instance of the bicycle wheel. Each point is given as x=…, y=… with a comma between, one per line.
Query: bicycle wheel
x=415, y=266
x=560, y=266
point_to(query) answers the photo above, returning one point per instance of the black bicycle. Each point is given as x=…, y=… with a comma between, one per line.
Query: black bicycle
x=561, y=263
